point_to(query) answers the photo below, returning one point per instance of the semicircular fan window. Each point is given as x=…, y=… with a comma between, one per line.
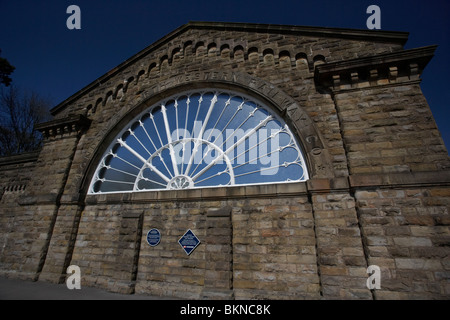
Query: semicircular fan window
x=196, y=139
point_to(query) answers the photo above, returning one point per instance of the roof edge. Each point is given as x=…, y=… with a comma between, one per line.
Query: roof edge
x=376, y=35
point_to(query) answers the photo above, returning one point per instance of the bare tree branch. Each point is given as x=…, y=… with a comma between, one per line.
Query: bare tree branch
x=19, y=113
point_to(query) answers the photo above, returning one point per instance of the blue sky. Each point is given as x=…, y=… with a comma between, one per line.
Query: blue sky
x=57, y=62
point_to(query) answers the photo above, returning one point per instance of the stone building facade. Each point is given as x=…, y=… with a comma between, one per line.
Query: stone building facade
x=377, y=193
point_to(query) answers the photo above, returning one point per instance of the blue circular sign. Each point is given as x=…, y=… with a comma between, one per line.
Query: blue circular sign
x=153, y=237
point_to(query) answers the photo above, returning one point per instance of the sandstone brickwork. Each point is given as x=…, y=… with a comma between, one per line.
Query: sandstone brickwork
x=378, y=193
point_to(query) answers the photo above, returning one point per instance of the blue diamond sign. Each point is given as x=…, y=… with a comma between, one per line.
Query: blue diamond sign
x=189, y=242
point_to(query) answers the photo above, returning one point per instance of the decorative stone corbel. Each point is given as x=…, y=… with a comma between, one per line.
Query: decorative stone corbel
x=65, y=126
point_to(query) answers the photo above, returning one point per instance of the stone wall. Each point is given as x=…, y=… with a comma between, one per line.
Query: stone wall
x=16, y=225
x=250, y=247
x=405, y=231
x=390, y=130
x=378, y=193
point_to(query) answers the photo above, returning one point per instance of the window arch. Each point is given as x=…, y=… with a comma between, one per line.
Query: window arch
x=201, y=138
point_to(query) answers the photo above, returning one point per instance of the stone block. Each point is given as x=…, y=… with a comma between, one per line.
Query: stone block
x=412, y=241
x=417, y=264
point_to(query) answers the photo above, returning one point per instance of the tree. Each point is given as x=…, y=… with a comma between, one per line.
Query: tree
x=19, y=113
x=5, y=71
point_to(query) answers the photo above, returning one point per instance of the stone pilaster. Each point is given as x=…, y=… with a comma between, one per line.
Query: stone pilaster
x=218, y=255
x=61, y=137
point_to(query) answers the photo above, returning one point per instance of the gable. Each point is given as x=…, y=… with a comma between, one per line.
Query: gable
x=240, y=43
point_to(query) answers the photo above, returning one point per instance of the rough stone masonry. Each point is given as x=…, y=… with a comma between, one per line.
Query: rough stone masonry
x=378, y=193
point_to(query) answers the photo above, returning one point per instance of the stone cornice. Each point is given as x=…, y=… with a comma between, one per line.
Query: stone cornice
x=68, y=125
x=382, y=69
x=401, y=180
x=19, y=158
x=312, y=186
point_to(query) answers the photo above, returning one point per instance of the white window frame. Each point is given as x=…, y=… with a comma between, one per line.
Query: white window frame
x=176, y=174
